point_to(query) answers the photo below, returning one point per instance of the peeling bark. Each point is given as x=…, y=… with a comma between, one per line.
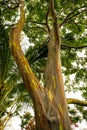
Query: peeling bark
x=49, y=102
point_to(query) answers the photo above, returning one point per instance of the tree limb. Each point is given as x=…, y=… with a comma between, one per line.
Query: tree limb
x=7, y=7
x=75, y=47
x=41, y=28
x=72, y=14
x=55, y=23
x=36, y=22
x=76, y=101
x=38, y=25
x=47, y=25
x=30, y=81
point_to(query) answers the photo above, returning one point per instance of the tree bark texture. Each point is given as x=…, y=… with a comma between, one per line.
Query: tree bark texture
x=49, y=101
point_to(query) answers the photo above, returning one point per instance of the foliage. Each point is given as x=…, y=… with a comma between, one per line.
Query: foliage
x=25, y=119
x=73, y=22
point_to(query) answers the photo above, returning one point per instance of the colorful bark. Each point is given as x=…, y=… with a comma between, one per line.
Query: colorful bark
x=49, y=101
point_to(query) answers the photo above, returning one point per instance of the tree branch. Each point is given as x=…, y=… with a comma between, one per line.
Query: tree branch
x=39, y=25
x=7, y=7
x=76, y=101
x=75, y=47
x=30, y=81
x=36, y=22
x=47, y=25
x=55, y=24
x=39, y=28
x=71, y=15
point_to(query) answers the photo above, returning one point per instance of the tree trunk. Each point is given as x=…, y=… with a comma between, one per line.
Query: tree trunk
x=49, y=102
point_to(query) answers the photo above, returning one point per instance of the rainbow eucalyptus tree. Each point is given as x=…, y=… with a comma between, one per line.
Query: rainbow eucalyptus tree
x=49, y=101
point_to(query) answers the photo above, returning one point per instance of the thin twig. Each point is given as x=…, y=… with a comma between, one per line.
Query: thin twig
x=39, y=28
x=75, y=47
x=36, y=22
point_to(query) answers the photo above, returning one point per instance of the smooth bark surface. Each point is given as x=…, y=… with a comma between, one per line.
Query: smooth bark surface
x=49, y=102
x=76, y=101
